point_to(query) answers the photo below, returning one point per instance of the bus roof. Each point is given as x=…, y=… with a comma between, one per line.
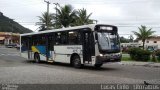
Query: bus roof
x=63, y=29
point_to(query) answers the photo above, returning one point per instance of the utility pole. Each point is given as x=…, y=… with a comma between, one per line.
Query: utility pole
x=11, y=37
x=56, y=12
x=47, y=11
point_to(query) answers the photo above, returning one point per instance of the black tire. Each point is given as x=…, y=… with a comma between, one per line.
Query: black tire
x=37, y=58
x=98, y=65
x=76, y=62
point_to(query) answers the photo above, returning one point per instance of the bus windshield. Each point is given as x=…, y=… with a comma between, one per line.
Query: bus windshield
x=108, y=41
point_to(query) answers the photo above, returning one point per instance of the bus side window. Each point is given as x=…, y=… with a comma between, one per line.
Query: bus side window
x=57, y=37
x=63, y=38
x=42, y=41
x=24, y=44
x=79, y=41
x=50, y=41
x=74, y=37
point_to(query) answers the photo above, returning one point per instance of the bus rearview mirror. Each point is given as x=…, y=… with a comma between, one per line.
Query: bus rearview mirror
x=96, y=41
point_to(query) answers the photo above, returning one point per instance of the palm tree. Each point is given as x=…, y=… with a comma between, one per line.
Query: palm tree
x=83, y=18
x=46, y=20
x=143, y=33
x=65, y=16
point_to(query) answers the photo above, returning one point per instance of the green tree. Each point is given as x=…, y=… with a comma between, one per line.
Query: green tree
x=124, y=40
x=83, y=17
x=65, y=16
x=143, y=33
x=45, y=21
x=131, y=38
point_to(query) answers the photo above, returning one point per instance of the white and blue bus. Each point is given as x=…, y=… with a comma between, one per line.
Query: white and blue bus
x=81, y=45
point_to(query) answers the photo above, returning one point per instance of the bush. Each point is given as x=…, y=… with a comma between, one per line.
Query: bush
x=132, y=52
x=139, y=54
x=157, y=53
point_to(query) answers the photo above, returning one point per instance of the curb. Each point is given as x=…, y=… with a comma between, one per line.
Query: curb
x=145, y=64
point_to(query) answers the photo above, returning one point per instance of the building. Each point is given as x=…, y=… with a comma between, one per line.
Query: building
x=9, y=37
x=126, y=46
x=133, y=44
x=152, y=42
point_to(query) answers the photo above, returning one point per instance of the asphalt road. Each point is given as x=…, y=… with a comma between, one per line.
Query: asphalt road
x=17, y=70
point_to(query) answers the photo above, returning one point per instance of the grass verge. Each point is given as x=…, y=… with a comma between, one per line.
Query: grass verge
x=126, y=59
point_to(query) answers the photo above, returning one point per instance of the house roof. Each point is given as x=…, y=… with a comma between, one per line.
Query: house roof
x=2, y=38
x=157, y=38
x=153, y=38
x=9, y=33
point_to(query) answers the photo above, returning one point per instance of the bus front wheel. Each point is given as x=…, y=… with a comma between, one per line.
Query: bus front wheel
x=36, y=57
x=98, y=65
x=76, y=62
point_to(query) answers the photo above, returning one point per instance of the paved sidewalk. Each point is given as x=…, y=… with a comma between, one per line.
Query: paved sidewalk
x=135, y=63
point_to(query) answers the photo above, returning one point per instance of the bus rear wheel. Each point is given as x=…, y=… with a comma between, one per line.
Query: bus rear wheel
x=36, y=57
x=76, y=62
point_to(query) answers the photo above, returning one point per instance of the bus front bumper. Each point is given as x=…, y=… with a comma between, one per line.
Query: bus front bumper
x=105, y=59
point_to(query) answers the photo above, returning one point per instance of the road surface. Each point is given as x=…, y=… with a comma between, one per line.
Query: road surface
x=17, y=70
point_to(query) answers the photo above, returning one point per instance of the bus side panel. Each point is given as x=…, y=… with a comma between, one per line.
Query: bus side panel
x=24, y=54
x=42, y=57
x=96, y=53
x=27, y=53
x=41, y=50
x=24, y=51
x=63, y=53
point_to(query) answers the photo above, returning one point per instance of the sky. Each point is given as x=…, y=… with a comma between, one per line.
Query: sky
x=128, y=15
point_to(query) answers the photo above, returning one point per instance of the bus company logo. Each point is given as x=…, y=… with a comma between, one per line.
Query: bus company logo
x=73, y=47
x=75, y=51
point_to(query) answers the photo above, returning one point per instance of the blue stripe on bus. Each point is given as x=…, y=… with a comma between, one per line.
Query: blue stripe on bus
x=42, y=50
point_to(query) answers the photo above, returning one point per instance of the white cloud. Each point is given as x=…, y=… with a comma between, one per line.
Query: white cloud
x=118, y=12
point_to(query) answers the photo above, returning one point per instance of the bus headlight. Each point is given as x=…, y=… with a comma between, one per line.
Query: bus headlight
x=101, y=55
x=118, y=54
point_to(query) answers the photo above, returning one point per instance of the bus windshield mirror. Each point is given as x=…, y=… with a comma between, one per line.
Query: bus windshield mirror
x=96, y=41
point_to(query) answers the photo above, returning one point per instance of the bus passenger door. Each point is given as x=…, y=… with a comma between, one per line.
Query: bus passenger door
x=50, y=47
x=86, y=38
x=29, y=44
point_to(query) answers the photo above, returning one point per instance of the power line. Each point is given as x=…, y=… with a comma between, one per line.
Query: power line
x=33, y=23
x=26, y=22
x=138, y=26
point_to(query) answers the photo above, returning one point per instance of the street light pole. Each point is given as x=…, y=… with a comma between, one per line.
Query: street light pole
x=47, y=12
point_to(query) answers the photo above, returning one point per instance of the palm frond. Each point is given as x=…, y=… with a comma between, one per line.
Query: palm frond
x=143, y=33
